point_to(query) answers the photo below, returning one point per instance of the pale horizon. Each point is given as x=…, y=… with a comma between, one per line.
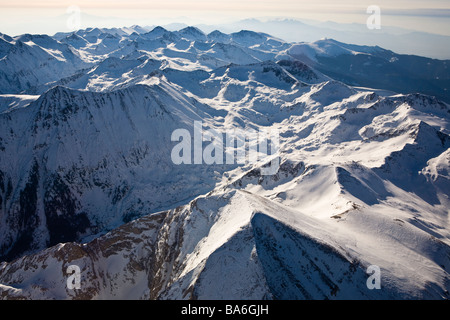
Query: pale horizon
x=25, y=16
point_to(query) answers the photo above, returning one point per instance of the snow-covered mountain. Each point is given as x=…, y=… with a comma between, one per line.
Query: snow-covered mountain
x=93, y=161
x=33, y=63
x=375, y=67
x=87, y=176
x=31, y=60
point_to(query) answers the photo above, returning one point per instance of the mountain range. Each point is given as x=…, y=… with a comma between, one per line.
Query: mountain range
x=87, y=177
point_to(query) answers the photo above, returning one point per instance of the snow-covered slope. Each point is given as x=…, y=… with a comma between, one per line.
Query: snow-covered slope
x=91, y=162
x=36, y=59
x=234, y=244
x=375, y=67
x=87, y=176
x=28, y=70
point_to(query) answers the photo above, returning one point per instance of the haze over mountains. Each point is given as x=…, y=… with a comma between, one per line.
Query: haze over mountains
x=415, y=38
x=87, y=178
x=399, y=40
x=365, y=66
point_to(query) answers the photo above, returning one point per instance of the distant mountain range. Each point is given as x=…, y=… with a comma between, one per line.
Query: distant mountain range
x=399, y=40
x=365, y=66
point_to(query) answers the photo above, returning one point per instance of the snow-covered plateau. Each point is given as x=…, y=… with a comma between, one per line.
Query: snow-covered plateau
x=87, y=176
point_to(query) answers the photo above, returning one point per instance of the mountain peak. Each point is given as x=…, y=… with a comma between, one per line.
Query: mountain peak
x=248, y=38
x=219, y=36
x=192, y=34
x=158, y=29
x=158, y=32
x=6, y=37
x=192, y=30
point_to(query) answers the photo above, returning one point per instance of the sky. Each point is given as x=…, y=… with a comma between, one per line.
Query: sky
x=49, y=16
